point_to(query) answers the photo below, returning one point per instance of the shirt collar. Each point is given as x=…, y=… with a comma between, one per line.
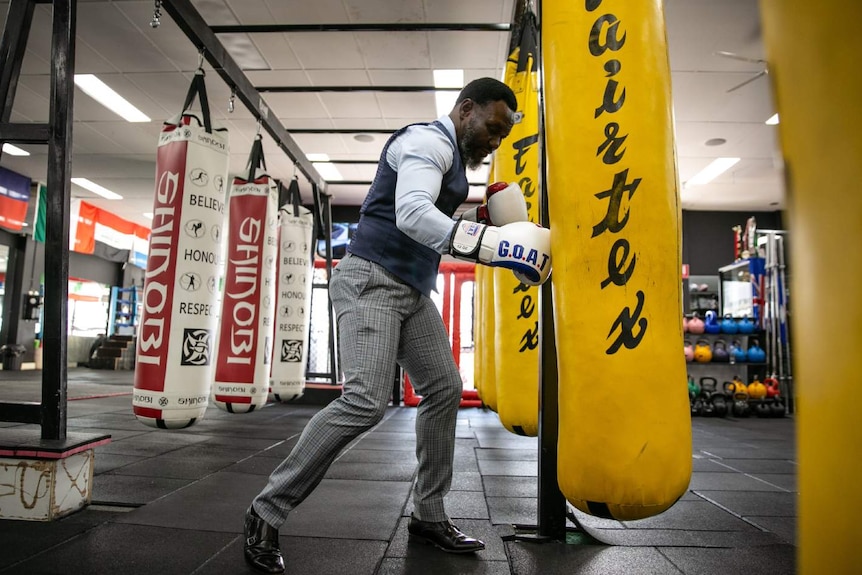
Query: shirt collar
x=449, y=125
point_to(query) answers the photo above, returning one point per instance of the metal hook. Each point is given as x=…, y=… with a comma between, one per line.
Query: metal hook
x=231, y=101
x=201, y=59
x=157, y=14
x=258, y=129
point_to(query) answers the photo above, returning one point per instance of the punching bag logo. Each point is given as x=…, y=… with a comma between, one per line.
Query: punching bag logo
x=241, y=291
x=160, y=270
x=196, y=347
x=291, y=350
x=629, y=327
x=190, y=281
x=195, y=228
x=199, y=177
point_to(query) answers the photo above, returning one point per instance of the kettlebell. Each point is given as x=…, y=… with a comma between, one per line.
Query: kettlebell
x=745, y=326
x=756, y=389
x=702, y=351
x=763, y=409
x=693, y=387
x=719, y=404
x=707, y=409
x=772, y=389
x=719, y=352
x=728, y=325
x=695, y=325
x=755, y=352
x=738, y=351
x=778, y=408
x=711, y=325
x=689, y=351
x=735, y=386
x=708, y=384
x=740, y=404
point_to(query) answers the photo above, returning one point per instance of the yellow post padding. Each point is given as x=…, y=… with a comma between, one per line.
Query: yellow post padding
x=814, y=68
x=625, y=430
x=515, y=304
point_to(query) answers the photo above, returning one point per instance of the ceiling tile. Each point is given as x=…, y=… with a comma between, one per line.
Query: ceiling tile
x=397, y=50
x=408, y=105
x=334, y=50
x=276, y=51
x=465, y=50
x=305, y=12
x=472, y=12
x=374, y=11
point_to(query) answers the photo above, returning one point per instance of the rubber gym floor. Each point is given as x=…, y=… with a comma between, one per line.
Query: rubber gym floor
x=172, y=502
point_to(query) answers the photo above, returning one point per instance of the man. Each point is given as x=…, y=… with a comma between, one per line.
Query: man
x=380, y=293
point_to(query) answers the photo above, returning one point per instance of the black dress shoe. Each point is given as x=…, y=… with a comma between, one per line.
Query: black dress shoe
x=261, y=544
x=442, y=534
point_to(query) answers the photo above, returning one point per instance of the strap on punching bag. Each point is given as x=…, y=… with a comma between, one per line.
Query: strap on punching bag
x=198, y=88
x=255, y=158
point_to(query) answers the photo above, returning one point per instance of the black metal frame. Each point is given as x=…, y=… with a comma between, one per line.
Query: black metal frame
x=57, y=133
x=382, y=27
x=204, y=38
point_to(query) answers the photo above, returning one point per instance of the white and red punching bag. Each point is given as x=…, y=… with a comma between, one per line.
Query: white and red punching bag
x=174, y=355
x=246, y=320
x=293, y=300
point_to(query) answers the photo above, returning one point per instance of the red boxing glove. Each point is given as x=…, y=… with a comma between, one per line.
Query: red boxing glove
x=504, y=204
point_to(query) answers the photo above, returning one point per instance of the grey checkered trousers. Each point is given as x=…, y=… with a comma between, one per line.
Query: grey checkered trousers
x=381, y=321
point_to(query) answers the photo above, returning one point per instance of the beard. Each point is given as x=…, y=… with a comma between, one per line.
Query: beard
x=471, y=155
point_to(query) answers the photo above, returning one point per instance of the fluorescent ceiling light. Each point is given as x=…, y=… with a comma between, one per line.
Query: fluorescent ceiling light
x=104, y=95
x=14, y=150
x=317, y=157
x=148, y=215
x=712, y=171
x=328, y=171
x=96, y=189
x=448, y=78
x=445, y=102
x=773, y=120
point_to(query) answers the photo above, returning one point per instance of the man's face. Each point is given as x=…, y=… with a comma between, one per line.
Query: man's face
x=485, y=127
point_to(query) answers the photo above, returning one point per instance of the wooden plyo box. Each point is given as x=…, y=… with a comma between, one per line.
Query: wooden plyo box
x=43, y=480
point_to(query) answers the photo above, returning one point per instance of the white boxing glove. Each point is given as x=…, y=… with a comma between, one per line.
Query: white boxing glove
x=523, y=247
x=504, y=204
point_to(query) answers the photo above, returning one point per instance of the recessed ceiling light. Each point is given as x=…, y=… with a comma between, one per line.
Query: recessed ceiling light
x=713, y=170
x=328, y=171
x=104, y=95
x=96, y=189
x=148, y=215
x=773, y=120
x=14, y=150
x=448, y=78
x=363, y=138
x=715, y=142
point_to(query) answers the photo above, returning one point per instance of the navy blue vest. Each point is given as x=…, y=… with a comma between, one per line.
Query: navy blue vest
x=377, y=238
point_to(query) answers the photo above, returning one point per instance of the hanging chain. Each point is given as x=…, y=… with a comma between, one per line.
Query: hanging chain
x=230, y=103
x=157, y=14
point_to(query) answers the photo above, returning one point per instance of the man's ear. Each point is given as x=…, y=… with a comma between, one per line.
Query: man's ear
x=465, y=107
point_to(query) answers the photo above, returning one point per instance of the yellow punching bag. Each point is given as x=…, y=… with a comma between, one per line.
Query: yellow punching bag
x=486, y=384
x=813, y=65
x=515, y=305
x=625, y=429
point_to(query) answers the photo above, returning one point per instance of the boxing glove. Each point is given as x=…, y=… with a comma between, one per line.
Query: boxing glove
x=523, y=247
x=504, y=204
